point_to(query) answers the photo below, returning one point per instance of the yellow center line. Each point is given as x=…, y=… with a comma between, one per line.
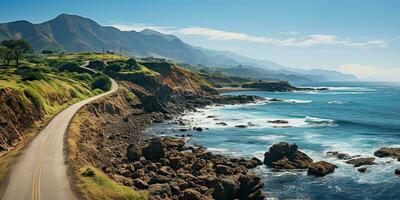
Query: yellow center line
x=38, y=169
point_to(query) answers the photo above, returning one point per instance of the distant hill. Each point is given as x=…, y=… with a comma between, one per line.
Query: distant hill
x=74, y=33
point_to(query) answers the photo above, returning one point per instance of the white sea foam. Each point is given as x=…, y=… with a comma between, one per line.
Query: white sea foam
x=335, y=102
x=268, y=137
x=297, y=101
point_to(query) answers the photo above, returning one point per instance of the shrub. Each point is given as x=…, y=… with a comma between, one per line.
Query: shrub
x=132, y=64
x=31, y=76
x=101, y=82
x=115, y=67
x=47, y=52
x=88, y=172
x=83, y=77
x=97, y=64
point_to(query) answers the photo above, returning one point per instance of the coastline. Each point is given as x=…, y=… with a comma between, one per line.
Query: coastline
x=234, y=89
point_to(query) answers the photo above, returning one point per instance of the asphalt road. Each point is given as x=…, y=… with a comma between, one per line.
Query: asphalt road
x=40, y=172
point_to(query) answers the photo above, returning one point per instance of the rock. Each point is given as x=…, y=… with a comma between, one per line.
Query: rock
x=249, y=185
x=286, y=156
x=223, y=169
x=241, y=126
x=174, y=142
x=155, y=149
x=151, y=167
x=199, y=164
x=140, y=184
x=225, y=188
x=321, y=168
x=166, y=171
x=397, y=171
x=164, y=162
x=134, y=152
x=198, y=128
x=362, y=169
x=341, y=156
x=222, y=123
x=250, y=124
x=279, y=121
x=190, y=194
x=361, y=161
x=159, y=179
x=388, y=152
x=159, y=190
x=254, y=162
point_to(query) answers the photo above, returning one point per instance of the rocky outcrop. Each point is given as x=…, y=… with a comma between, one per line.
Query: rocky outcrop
x=184, y=172
x=286, y=156
x=357, y=162
x=321, y=168
x=388, y=152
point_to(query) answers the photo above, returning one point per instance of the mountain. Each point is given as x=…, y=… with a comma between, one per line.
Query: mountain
x=73, y=33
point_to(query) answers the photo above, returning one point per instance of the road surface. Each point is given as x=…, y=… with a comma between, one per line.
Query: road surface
x=40, y=172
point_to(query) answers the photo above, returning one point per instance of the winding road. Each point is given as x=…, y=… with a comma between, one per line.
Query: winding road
x=40, y=172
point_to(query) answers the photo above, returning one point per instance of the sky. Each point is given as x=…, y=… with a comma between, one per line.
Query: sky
x=361, y=37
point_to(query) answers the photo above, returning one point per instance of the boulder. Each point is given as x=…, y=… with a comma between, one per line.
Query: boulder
x=190, y=194
x=174, y=142
x=361, y=161
x=397, y=171
x=286, y=156
x=249, y=185
x=338, y=155
x=159, y=191
x=279, y=121
x=159, y=179
x=140, y=184
x=241, y=126
x=223, y=169
x=155, y=149
x=134, y=152
x=388, y=152
x=362, y=169
x=197, y=128
x=321, y=168
x=225, y=188
x=254, y=162
x=222, y=123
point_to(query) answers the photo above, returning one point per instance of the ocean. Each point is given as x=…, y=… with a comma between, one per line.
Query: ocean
x=354, y=118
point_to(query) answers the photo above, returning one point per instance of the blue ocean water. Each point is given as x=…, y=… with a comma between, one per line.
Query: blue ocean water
x=353, y=118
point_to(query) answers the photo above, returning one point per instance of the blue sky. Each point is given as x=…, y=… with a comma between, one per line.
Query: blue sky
x=353, y=36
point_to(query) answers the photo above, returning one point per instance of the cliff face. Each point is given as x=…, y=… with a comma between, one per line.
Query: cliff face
x=17, y=115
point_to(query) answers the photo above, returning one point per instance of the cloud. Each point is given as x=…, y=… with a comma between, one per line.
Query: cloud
x=293, y=38
x=140, y=27
x=367, y=72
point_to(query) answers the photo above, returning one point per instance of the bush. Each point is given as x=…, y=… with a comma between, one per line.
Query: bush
x=132, y=64
x=97, y=64
x=31, y=76
x=47, y=52
x=101, y=82
x=88, y=172
x=115, y=67
x=83, y=77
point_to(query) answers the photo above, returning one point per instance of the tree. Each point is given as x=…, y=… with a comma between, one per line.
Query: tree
x=18, y=48
x=5, y=55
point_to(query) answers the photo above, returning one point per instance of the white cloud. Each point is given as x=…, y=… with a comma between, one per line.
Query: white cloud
x=140, y=27
x=371, y=72
x=292, y=38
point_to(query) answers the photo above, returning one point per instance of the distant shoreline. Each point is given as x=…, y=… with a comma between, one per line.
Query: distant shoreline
x=235, y=89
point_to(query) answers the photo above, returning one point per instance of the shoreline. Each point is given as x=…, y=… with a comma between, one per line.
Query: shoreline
x=235, y=89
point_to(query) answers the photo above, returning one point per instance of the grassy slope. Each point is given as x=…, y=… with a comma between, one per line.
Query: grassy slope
x=98, y=186
x=38, y=92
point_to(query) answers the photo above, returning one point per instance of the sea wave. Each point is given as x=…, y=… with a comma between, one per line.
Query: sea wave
x=316, y=120
x=268, y=137
x=297, y=101
x=335, y=102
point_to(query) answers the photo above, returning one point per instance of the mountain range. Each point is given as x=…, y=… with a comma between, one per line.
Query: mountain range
x=72, y=33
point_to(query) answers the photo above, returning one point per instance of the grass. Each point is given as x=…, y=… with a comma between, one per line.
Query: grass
x=100, y=186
